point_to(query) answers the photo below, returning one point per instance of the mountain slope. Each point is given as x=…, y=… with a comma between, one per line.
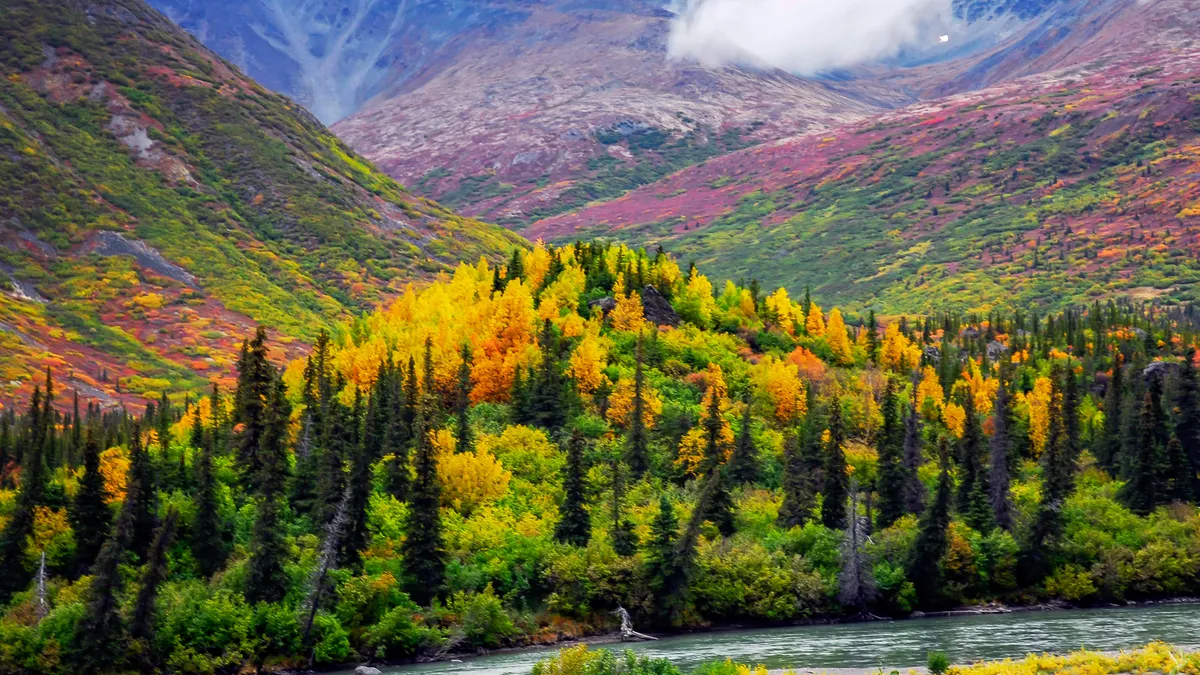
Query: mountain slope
x=1055, y=188
x=157, y=202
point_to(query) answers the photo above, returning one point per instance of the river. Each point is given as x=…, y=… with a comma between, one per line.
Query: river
x=898, y=644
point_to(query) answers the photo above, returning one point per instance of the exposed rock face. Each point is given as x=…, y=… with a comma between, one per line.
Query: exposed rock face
x=114, y=243
x=657, y=310
x=605, y=304
x=996, y=350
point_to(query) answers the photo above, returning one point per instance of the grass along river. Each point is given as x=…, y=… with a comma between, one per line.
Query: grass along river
x=898, y=644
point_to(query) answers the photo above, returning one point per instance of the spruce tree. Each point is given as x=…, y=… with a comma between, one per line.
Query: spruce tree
x=637, y=453
x=798, y=497
x=743, y=464
x=266, y=579
x=100, y=634
x=1187, y=424
x=1108, y=446
x=1141, y=493
x=974, y=493
x=399, y=436
x=1058, y=473
x=914, y=446
x=890, y=448
x=255, y=377
x=837, y=481
x=718, y=508
x=663, y=531
x=621, y=530
x=548, y=387
x=142, y=625
x=924, y=566
x=14, y=574
x=1000, y=452
x=462, y=403
x=872, y=337
x=90, y=515
x=424, y=555
x=574, y=523
x=207, y=531
x=145, y=515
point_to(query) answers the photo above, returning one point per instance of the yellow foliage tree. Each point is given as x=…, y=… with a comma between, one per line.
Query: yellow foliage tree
x=587, y=362
x=839, y=342
x=929, y=393
x=114, y=466
x=1038, y=401
x=620, y=404
x=898, y=353
x=628, y=315
x=955, y=418
x=814, y=323
x=780, y=382
x=693, y=444
x=469, y=479
x=780, y=305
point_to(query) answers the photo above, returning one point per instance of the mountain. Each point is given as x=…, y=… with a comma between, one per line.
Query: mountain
x=157, y=203
x=1064, y=187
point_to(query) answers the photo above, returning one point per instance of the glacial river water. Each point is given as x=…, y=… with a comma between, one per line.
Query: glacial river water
x=898, y=644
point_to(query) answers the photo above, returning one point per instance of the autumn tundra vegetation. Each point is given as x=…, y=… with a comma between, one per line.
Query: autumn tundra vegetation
x=506, y=455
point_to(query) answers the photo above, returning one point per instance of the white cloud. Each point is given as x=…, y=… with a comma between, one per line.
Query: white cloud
x=803, y=36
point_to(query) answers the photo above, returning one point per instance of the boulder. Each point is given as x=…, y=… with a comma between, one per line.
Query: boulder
x=657, y=310
x=605, y=305
x=996, y=350
x=367, y=670
x=1160, y=369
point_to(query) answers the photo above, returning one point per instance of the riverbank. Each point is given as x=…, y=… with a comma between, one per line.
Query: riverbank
x=860, y=648
x=614, y=638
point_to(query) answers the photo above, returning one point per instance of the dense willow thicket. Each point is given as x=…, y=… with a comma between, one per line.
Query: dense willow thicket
x=506, y=456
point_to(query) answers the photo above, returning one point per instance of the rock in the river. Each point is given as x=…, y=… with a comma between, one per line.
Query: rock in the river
x=656, y=309
x=367, y=670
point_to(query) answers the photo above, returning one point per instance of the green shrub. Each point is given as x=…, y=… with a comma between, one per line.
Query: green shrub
x=482, y=618
x=331, y=643
x=937, y=662
x=399, y=634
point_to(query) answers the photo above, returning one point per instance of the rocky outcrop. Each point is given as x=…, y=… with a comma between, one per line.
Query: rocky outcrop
x=657, y=309
x=114, y=243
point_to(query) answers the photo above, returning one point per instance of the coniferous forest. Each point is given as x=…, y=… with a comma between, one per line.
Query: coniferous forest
x=507, y=455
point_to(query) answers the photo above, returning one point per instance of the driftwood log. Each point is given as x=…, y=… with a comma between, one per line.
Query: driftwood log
x=628, y=634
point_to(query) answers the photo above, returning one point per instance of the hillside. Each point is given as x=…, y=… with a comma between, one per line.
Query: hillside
x=1068, y=186
x=157, y=203
x=506, y=456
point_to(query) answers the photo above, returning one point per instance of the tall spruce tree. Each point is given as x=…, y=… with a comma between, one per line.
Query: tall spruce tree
x=1000, y=454
x=1187, y=424
x=621, y=529
x=974, y=493
x=14, y=573
x=664, y=531
x=1141, y=493
x=100, y=637
x=798, y=497
x=90, y=515
x=837, y=481
x=462, y=403
x=145, y=515
x=208, y=529
x=890, y=449
x=141, y=627
x=1057, y=482
x=1108, y=446
x=744, y=464
x=574, y=523
x=266, y=580
x=424, y=554
x=255, y=377
x=914, y=447
x=924, y=567
x=718, y=508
